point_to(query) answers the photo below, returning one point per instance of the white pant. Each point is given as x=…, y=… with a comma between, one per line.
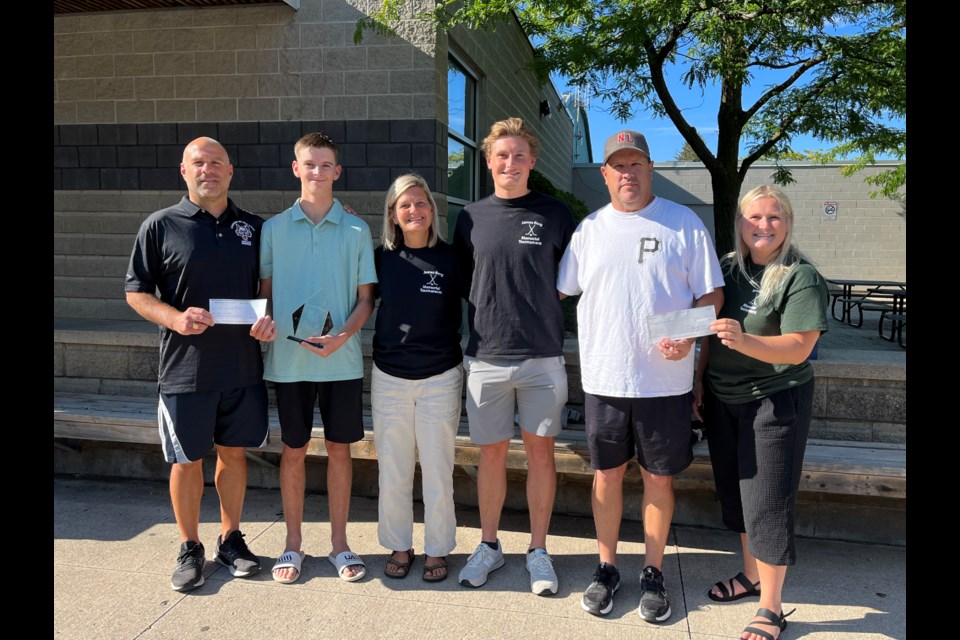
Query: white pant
x=410, y=415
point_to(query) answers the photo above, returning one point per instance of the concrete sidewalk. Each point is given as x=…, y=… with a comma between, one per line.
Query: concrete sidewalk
x=115, y=545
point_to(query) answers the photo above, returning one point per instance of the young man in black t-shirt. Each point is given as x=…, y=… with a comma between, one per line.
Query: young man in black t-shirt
x=510, y=245
x=211, y=375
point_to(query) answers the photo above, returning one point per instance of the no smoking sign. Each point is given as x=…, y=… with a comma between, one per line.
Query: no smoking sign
x=830, y=209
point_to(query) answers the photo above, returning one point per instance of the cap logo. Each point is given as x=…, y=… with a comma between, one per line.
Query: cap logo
x=624, y=137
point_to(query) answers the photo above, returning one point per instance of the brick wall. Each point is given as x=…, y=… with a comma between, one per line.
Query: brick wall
x=131, y=88
x=243, y=63
x=867, y=240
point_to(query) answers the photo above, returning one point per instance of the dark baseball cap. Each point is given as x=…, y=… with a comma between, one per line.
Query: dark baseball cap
x=626, y=139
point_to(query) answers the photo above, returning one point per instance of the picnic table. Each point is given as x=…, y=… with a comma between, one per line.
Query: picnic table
x=896, y=314
x=889, y=297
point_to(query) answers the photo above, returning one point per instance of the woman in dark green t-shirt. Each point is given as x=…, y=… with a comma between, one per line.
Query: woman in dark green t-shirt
x=757, y=396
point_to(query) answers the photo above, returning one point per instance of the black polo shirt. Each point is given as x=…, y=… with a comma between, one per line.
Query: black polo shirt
x=189, y=256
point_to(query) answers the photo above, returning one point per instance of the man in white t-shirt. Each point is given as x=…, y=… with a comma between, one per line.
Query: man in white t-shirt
x=639, y=255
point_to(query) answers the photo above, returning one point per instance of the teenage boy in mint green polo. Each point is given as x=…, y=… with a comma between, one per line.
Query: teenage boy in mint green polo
x=316, y=267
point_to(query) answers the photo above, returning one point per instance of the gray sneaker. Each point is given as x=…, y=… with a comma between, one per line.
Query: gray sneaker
x=543, y=579
x=235, y=556
x=654, y=603
x=189, y=572
x=480, y=563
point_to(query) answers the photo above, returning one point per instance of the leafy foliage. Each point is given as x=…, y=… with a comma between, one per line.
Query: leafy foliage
x=839, y=64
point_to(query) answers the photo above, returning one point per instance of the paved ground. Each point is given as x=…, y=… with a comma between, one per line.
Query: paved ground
x=843, y=336
x=115, y=544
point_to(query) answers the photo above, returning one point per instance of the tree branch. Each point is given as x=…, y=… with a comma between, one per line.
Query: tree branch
x=783, y=86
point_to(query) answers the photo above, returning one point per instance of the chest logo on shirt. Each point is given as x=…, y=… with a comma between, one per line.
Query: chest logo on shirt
x=244, y=230
x=532, y=234
x=431, y=285
x=647, y=245
x=751, y=307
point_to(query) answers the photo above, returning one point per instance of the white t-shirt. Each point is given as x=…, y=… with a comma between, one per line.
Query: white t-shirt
x=628, y=266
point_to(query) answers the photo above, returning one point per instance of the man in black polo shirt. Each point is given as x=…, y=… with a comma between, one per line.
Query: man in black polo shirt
x=211, y=376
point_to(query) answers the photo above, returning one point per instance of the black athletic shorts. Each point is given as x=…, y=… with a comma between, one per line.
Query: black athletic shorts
x=341, y=410
x=191, y=423
x=656, y=429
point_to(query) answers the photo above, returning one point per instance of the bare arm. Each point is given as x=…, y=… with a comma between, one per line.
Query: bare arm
x=265, y=329
x=189, y=322
x=789, y=348
x=266, y=291
x=360, y=314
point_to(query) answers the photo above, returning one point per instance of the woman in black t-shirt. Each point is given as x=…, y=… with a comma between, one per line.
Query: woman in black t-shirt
x=417, y=377
x=758, y=398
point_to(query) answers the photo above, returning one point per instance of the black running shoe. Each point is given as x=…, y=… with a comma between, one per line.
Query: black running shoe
x=189, y=572
x=598, y=598
x=235, y=556
x=654, y=603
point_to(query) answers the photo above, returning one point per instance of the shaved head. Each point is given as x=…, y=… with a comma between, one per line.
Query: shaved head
x=205, y=142
x=207, y=171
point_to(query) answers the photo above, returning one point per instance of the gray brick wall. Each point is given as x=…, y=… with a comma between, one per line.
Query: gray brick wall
x=131, y=88
x=867, y=240
x=242, y=63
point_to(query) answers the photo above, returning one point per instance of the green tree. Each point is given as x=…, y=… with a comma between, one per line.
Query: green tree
x=840, y=64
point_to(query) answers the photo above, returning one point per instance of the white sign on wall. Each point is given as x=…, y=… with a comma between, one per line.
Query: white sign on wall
x=830, y=209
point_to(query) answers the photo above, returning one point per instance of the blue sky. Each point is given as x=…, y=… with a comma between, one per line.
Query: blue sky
x=700, y=109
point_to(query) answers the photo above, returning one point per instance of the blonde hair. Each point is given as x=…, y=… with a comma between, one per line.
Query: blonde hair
x=391, y=235
x=781, y=265
x=510, y=127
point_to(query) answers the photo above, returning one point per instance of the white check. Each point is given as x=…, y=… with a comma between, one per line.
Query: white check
x=237, y=311
x=687, y=323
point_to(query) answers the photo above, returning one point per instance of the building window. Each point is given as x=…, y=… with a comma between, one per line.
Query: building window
x=462, y=140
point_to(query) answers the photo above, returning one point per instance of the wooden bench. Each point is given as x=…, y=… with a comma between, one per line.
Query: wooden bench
x=837, y=467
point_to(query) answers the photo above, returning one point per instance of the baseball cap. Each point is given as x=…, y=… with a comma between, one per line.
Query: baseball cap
x=626, y=139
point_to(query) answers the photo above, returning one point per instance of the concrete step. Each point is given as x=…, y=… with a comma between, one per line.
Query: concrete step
x=860, y=395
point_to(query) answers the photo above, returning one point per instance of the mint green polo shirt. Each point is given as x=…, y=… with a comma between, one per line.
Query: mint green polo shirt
x=319, y=266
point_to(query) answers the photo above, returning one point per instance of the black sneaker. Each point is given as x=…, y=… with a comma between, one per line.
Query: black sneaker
x=189, y=572
x=654, y=603
x=235, y=556
x=598, y=598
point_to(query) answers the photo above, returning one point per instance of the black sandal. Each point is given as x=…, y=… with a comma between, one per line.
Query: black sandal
x=775, y=620
x=727, y=595
x=402, y=568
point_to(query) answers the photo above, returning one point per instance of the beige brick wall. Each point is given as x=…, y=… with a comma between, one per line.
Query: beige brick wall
x=240, y=63
x=867, y=240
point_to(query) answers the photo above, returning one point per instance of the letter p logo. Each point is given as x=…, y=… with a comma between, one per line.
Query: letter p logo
x=648, y=245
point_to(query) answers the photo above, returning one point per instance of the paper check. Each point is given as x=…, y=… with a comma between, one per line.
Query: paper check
x=687, y=323
x=237, y=311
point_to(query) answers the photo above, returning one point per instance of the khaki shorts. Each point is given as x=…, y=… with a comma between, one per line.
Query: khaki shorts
x=533, y=390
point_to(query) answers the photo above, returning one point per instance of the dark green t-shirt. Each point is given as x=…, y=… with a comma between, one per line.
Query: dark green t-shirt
x=800, y=305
